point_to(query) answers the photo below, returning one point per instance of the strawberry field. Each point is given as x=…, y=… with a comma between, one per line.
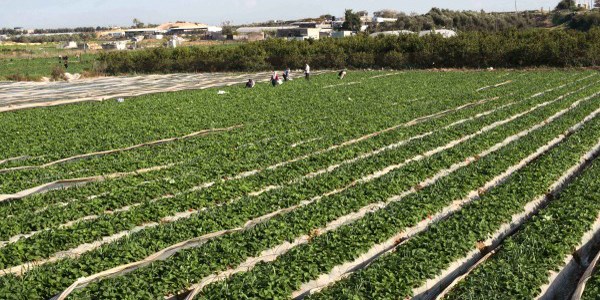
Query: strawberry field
x=386, y=185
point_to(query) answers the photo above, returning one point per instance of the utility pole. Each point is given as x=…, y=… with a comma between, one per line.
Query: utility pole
x=516, y=8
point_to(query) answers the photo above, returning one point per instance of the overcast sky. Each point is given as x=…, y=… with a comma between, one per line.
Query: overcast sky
x=72, y=13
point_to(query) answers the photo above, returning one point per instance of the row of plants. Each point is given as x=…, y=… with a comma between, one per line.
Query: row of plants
x=49, y=242
x=234, y=249
x=592, y=288
x=164, y=115
x=51, y=196
x=424, y=256
x=275, y=120
x=28, y=221
x=131, y=183
x=307, y=262
x=51, y=278
x=510, y=48
x=539, y=247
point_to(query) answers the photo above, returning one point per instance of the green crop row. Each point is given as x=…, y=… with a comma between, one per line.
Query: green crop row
x=29, y=220
x=115, y=185
x=50, y=278
x=209, y=153
x=100, y=188
x=110, y=125
x=232, y=250
x=592, y=288
x=523, y=263
x=426, y=255
x=49, y=242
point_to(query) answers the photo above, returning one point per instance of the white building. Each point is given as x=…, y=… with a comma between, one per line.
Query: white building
x=384, y=20
x=246, y=30
x=175, y=42
x=118, y=45
x=299, y=33
x=446, y=33
x=342, y=34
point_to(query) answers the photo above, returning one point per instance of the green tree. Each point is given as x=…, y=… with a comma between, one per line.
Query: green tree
x=566, y=4
x=597, y=4
x=352, y=21
x=137, y=23
x=387, y=13
x=227, y=29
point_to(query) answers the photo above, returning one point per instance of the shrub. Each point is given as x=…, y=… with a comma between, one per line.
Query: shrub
x=58, y=73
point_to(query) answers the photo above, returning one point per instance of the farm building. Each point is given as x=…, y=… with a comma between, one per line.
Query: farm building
x=253, y=36
x=115, y=34
x=118, y=45
x=88, y=46
x=384, y=20
x=175, y=42
x=246, y=30
x=132, y=33
x=342, y=34
x=181, y=28
x=325, y=33
x=157, y=36
x=299, y=33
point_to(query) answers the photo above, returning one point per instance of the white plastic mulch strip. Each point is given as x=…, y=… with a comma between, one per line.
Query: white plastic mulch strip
x=494, y=86
x=587, y=275
x=59, y=184
x=385, y=75
x=342, y=84
x=18, y=96
x=14, y=159
x=112, y=151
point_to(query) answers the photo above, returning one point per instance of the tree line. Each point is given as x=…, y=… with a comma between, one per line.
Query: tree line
x=459, y=20
x=53, y=38
x=509, y=49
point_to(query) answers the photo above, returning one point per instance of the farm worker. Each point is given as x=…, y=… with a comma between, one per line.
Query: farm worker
x=342, y=74
x=274, y=79
x=286, y=74
x=307, y=72
x=250, y=84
